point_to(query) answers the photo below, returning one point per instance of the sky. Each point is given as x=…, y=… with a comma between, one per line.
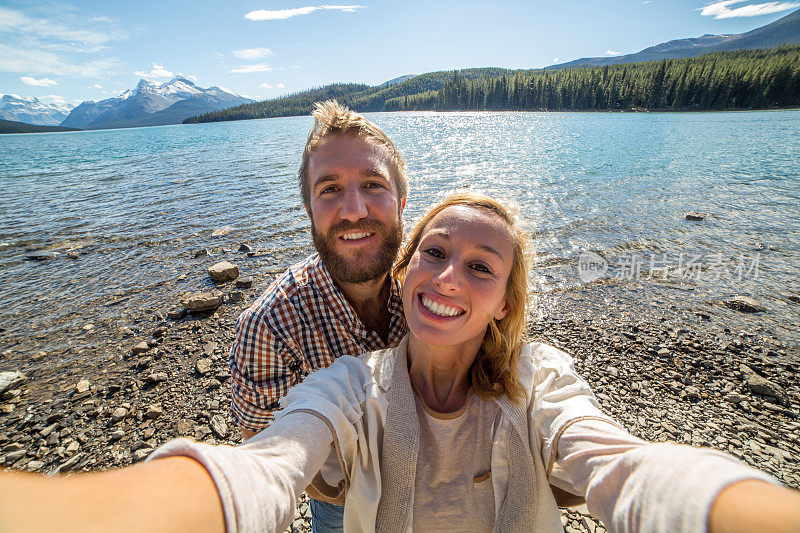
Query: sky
x=71, y=51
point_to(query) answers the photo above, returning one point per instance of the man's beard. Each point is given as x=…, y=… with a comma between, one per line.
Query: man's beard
x=362, y=267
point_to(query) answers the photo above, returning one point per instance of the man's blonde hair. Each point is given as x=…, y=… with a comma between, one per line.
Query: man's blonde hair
x=495, y=370
x=332, y=118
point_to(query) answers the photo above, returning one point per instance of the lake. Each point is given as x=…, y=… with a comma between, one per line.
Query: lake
x=605, y=195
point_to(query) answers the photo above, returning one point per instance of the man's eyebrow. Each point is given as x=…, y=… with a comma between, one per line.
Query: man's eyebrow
x=373, y=173
x=325, y=179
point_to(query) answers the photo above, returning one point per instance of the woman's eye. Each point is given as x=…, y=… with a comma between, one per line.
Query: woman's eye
x=481, y=268
x=434, y=252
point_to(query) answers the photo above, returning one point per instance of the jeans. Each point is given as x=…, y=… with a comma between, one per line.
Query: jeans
x=326, y=517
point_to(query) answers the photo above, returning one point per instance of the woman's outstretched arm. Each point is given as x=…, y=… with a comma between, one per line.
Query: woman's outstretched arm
x=188, y=487
x=755, y=506
x=174, y=494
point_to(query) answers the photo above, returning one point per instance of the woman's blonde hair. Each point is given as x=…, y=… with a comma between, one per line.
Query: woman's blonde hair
x=495, y=369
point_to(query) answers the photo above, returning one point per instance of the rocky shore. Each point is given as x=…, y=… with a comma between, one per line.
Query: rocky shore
x=165, y=375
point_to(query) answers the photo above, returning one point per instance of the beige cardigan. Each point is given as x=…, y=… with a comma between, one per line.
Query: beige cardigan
x=368, y=404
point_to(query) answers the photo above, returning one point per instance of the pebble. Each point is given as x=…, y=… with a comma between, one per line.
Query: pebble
x=118, y=414
x=142, y=347
x=235, y=296
x=82, y=386
x=244, y=248
x=154, y=411
x=761, y=385
x=11, y=380
x=201, y=253
x=695, y=216
x=203, y=301
x=744, y=304
x=176, y=312
x=218, y=426
x=142, y=453
x=157, y=377
x=244, y=282
x=223, y=271
x=203, y=366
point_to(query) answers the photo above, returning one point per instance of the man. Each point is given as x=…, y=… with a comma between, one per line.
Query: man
x=340, y=300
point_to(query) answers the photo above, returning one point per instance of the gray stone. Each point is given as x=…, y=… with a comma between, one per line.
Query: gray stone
x=223, y=271
x=116, y=435
x=11, y=380
x=142, y=453
x=142, y=347
x=201, y=253
x=183, y=428
x=218, y=426
x=664, y=352
x=245, y=282
x=734, y=398
x=34, y=465
x=48, y=430
x=176, y=313
x=203, y=366
x=245, y=248
x=154, y=411
x=82, y=386
x=157, y=377
x=42, y=255
x=695, y=216
x=692, y=393
x=203, y=301
x=236, y=296
x=763, y=386
x=744, y=304
x=118, y=414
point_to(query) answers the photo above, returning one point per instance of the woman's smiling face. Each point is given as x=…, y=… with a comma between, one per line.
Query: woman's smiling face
x=457, y=277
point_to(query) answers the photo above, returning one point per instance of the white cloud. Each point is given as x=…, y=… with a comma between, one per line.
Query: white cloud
x=59, y=100
x=556, y=60
x=647, y=2
x=720, y=10
x=250, y=54
x=281, y=14
x=97, y=86
x=34, y=45
x=33, y=61
x=280, y=86
x=158, y=71
x=249, y=69
x=41, y=82
x=265, y=86
x=611, y=53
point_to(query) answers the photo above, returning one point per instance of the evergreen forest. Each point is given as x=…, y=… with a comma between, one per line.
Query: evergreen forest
x=742, y=79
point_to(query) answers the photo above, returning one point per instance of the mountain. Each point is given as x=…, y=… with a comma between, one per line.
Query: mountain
x=32, y=111
x=783, y=31
x=395, y=81
x=11, y=126
x=151, y=104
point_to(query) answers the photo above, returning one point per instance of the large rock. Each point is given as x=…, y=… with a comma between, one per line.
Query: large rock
x=744, y=304
x=218, y=426
x=11, y=380
x=203, y=301
x=761, y=385
x=223, y=271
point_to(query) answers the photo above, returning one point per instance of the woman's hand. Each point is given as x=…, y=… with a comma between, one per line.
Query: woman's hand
x=754, y=505
x=167, y=495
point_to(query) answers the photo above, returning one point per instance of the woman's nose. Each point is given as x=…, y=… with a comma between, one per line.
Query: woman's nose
x=447, y=278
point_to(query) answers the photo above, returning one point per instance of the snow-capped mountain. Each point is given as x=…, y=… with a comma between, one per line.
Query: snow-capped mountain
x=32, y=111
x=152, y=104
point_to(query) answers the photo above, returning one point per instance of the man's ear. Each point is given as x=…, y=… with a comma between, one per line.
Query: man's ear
x=502, y=312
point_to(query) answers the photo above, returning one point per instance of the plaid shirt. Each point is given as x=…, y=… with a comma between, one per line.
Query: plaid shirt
x=301, y=323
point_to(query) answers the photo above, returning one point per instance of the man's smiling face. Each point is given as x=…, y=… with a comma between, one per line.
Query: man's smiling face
x=354, y=208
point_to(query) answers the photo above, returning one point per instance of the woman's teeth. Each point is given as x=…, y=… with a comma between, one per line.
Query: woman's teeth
x=355, y=236
x=439, y=309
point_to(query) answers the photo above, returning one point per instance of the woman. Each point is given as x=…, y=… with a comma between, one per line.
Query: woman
x=460, y=426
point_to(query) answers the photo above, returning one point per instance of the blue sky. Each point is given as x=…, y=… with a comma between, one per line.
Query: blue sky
x=91, y=50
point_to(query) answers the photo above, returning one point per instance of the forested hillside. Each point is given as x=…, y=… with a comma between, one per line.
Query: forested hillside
x=744, y=79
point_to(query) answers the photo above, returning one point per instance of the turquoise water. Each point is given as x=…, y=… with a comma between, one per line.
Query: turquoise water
x=138, y=203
